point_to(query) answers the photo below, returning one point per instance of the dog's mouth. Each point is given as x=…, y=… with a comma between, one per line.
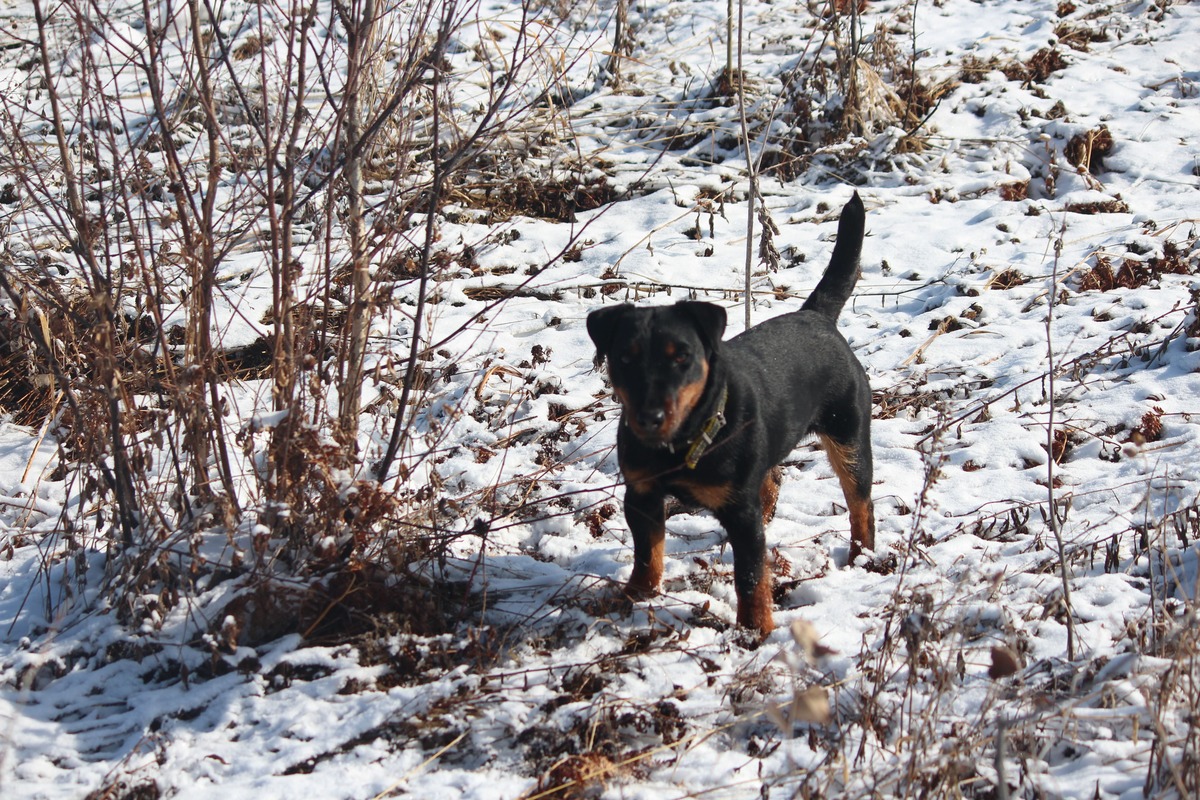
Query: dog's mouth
x=656, y=439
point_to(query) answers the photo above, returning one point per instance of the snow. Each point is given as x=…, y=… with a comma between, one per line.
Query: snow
x=669, y=698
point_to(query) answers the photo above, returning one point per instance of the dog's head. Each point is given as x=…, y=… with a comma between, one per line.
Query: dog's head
x=659, y=360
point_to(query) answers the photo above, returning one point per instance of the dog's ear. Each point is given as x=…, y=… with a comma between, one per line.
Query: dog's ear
x=708, y=318
x=602, y=325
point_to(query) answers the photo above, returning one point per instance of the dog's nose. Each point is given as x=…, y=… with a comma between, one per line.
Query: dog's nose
x=651, y=419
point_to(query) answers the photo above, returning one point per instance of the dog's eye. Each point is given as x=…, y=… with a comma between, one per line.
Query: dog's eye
x=625, y=358
x=682, y=359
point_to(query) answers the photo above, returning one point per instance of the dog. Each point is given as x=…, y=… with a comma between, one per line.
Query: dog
x=709, y=421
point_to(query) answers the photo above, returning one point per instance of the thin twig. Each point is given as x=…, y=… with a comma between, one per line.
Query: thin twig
x=1052, y=506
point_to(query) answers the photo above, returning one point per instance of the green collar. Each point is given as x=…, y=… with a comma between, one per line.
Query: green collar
x=707, y=433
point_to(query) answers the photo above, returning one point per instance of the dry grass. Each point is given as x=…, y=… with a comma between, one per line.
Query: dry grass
x=84, y=334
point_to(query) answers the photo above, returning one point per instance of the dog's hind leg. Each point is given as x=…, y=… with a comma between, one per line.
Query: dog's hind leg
x=768, y=493
x=852, y=463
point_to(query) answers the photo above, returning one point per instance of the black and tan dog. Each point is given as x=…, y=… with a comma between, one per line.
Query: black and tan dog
x=710, y=421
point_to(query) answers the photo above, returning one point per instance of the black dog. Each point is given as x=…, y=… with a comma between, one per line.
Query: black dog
x=709, y=421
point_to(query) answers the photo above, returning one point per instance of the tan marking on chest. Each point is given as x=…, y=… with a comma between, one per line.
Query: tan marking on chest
x=641, y=481
x=710, y=495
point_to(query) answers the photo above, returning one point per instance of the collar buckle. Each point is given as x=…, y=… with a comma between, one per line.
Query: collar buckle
x=708, y=433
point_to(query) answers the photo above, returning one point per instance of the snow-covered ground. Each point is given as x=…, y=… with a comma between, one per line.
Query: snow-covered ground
x=971, y=232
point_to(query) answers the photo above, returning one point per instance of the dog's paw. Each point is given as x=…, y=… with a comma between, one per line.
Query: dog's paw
x=636, y=590
x=881, y=563
x=611, y=602
x=872, y=561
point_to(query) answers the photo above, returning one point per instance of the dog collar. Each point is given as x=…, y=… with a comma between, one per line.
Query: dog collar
x=707, y=434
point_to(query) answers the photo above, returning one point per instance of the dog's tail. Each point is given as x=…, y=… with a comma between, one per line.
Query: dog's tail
x=842, y=273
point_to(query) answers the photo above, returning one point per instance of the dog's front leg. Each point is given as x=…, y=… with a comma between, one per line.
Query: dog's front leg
x=751, y=574
x=645, y=513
